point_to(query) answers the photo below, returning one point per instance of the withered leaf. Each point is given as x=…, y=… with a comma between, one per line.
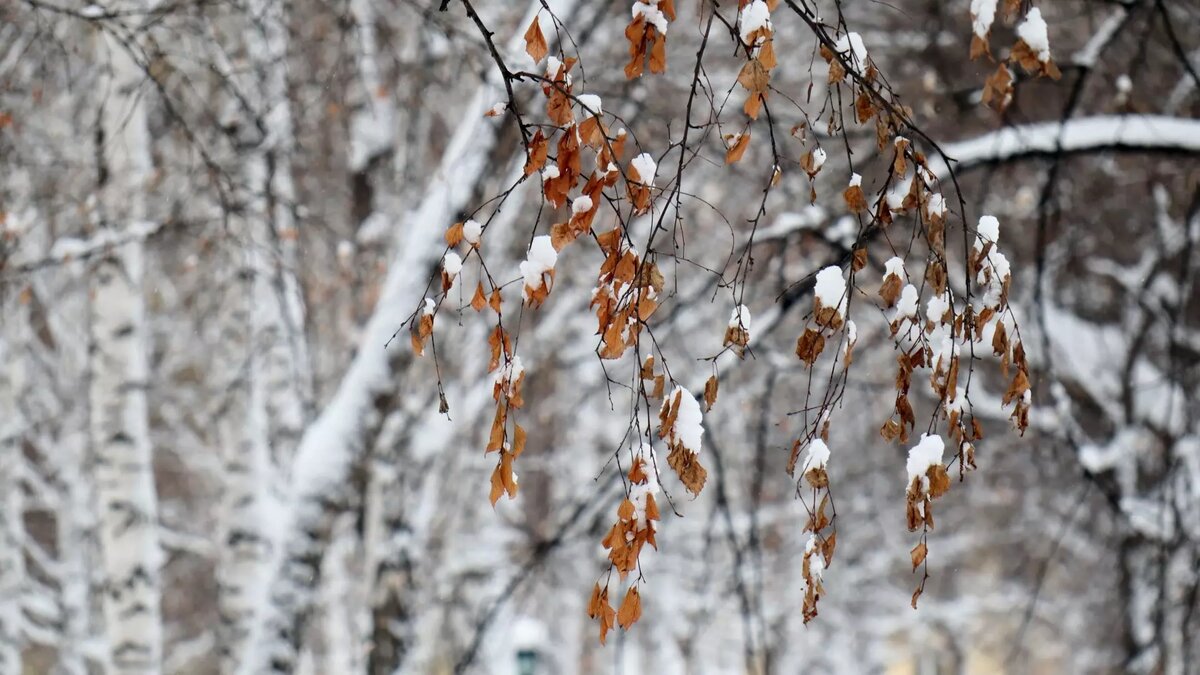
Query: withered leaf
x=710, y=393
x=631, y=608
x=535, y=42
x=754, y=76
x=479, y=300
x=738, y=148
x=918, y=554
x=454, y=235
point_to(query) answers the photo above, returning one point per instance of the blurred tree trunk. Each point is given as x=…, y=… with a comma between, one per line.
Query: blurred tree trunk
x=119, y=423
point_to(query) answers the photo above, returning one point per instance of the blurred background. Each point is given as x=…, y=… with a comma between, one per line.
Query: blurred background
x=215, y=214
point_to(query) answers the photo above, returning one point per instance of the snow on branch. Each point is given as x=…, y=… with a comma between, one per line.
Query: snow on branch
x=1086, y=134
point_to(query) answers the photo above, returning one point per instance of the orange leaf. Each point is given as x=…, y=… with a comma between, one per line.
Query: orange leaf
x=497, y=486
x=710, y=393
x=918, y=554
x=535, y=42
x=735, y=151
x=479, y=300
x=631, y=609
x=454, y=235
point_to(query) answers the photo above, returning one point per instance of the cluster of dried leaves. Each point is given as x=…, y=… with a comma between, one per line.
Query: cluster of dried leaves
x=998, y=88
x=629, y=286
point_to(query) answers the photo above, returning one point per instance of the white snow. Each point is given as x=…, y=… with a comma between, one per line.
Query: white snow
x=936, y=204
x=452, y=264
x=740, y=317
x=855, y=180
x=816, y=560
x=687, y=429
x=926, y=453
x=508, y=375
x=92, y=11
x=852, y=44
x=550, y=172
x=498, y=109
x=937, y=307
x=553, y=65
x=895, y=267
x=754, y=16
x=646, y=169
x=1084, y=133
x=818, y=456
x=818, y=157
x=652, y=14
x=988, y=230
x=830, y=288
x=542, y=258
x=590, y=103
x=430, y=307
x=983, y=13
x=637, y=495
x=898, y=193
x=1033, y=31
x=472, y=231
x=906, y=307
x=582, y=204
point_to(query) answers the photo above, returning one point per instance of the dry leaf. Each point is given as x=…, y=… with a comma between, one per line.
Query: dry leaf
x=710, y=393
x=918, y=554
x=631, y=608
x=738, y=148
x=535, y=42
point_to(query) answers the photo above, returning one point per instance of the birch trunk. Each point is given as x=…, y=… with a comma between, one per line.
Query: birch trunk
x=334, y=445
x=12, y=562
x=278, y=384
x=119, y=425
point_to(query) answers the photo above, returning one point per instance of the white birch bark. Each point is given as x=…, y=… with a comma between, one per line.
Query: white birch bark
x=335, y=443
x=278, y=380
x=119, y=424
x=12, y=563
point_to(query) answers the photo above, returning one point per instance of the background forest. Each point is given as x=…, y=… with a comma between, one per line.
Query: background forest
x=220, y=221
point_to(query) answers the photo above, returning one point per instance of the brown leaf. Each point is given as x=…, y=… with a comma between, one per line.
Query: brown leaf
x=479, y=300
x=494, y=301
x=658, y=55
x=735, y=151
x=496, y=437
x=631, y=608
x=889, y=291
x=688, y=467
x=979, y=47
x=518, y=445
x=535, y=42
x=594, y=603
x=891, y=430
x=754, y=76
x=828, y=546
x=918, y=554
x=1017, y=388
x=939, y=481
x=809, y=346
x=864, y=109
x=855, y=199
x=997, y=89
x=710, y=393
x=497, y=486
x=454, y=235
x=539, y=147
x=860, y=259
x=917, y=594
